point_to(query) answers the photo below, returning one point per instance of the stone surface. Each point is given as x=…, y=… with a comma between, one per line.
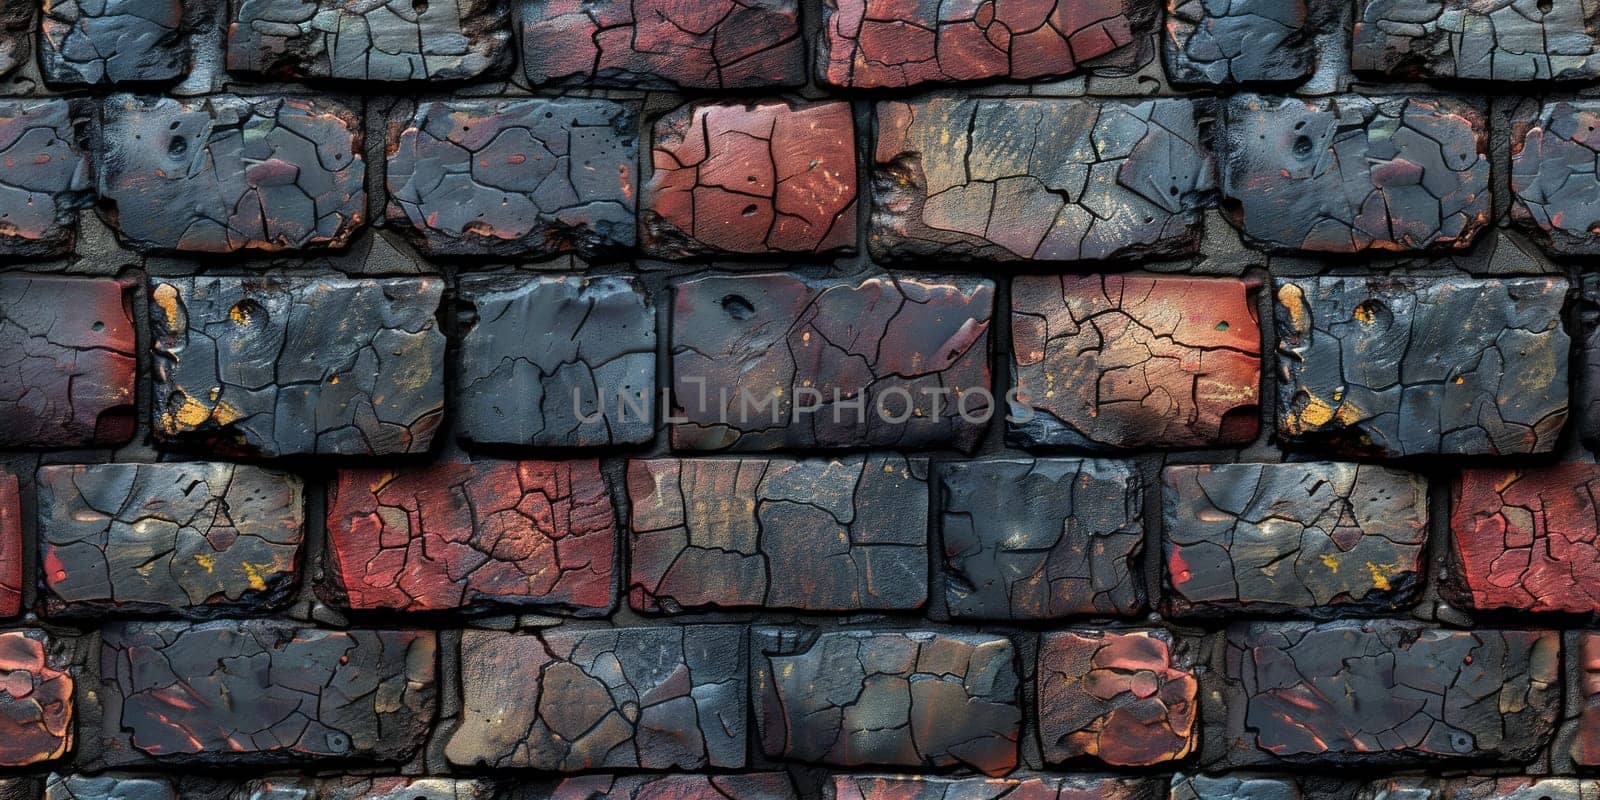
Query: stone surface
x=93, y=42
x=964, y=177
x=226, y=174
x=1016, y=787
x=1121, y=698
x=586, y=379
x=1463, y=39
x=664, y=44
x=780, y=360
x=1246, y=787
x=47, y=175
x=397, y=40
x=762, y=178
x=1313, y=539
x=454, y=535
x=110, y=787
x=67, y=361
x=750, y=786
x=1525, y=539
x=168, y=538
x=1555, y=183
x=263, y=692
x=36, y=700
x=1515, y=788
x=618, y=698
x=515, y=178
x=290, y=366
x=1033, y=539
x=16, y=21
x=1588, y=361
x=398, y=789
x=1106, y=362
x=841, y=534
x=1231, y=42
x=1396, y=367
x=1386, y=692
x=11, y=552
x=862, y=698
x=1351, y=174
x=873, y=44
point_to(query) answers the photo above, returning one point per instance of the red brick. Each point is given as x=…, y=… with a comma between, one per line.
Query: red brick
x=1525, y=540
x=1585, y=748
x=36, y=707
x=1123, y=698
x=10, y=546
x=66, y=362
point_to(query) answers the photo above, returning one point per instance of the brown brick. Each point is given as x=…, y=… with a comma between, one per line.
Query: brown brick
x=1123, y=698
x=67, y=361
x=1525, y=539
x=11, y=554
x=36, y=700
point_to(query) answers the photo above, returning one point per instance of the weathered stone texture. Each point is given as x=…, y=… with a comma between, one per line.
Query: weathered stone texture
x=67, y=361
x=862, y=698
x=1122, y=698
x=1246, y=787
x=749, y=786
x=1030, y=539
x=109, y=787
x=764, y=178
x=456, y=535
x=964, y=177
x=1397, y=367
x=398, y=40
x=836, y=534
x=168, y=538
x=1297, y=539
x=225, y=174
x=16, y=20
x=516, y=178
x=780, y=360
x=1107, y=362
x=1588, y=361
x=11, y=553
x=1352, y=174
x=36, y=700
x=1015, y=787
x=1555, y=181
x=1525, y=539
x=1502, y=41
x=92, y=42
x=617, y=698
x=1583, y=647
x=395, y=789
x=47, y=176
x=287, y=366
x=1212, y=43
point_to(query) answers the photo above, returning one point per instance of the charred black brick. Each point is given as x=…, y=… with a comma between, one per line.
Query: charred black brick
x=1463, y=39
x=67, y=361
x=92, y=42
x=1554, y=182
x=1237, y=41
x=16, y=20
x=110, y=787
x=1014, y=787
x=47, y=177
x=750, y=786
x=408, y=40
x=1242, y=787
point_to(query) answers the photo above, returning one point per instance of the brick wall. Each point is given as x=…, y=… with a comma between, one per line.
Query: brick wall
x=855, y=399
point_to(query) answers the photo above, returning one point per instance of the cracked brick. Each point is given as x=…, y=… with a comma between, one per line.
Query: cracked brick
x=892, y=698
x=1016, y=787
x=191, y=539
x=1008, y=179
x=401, y=789
x=619, y=698
x=1588, y=361
x=16, y=20
x=1247, y=787
x=1555, y=183
x=1386, y=692
x=1467, y=40
x=228, y=174
x=110, y=787
x=1585, y=693
x=751, y=179
x=47, y=177
x=750, y=786
x=780, y=360
x=1352, y=174
x=385, y=40
x=1123, y=698
x=1031, y=539
x=842, y=534
x=1293, y=539
x=67, y=361
x=1210, y=43
x=664, y=44
x=11, y=552
x=468, y=535
x=587, y=380
x=36, y=700
x=1524, y=540
x=262, y=692
x=288, y=366
x=1395, y=367
x=97, y=42
x=516, y=178
x=1509, y=788
x=876, y=44
x=1108, y=362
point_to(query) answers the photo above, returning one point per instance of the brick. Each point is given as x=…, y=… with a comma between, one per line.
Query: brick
x=296, y=365
x=874, y=44
x=67, y=361
x=617, y=698
x=1016, y=787
x=11, y=552
x=842, y=534
x=47, y=176
x=664, y=44
x=1588, y=362
x=1313, y=539
x=398, y=789
x=1554, y=183
x=750, y=786
x=751, y=179
x=432, y=40
x=858, y=698
x=16, y=20
x=1244, y=787
x=189, y=539
x=1121, y=698
x=469, y=535
x=1238, y=42
x=1386, y=692
x=1520, y=788
x=1524, y=540
x=110, y=787
x=962, y=177
x=262, y=692
x=1352, y=174
x=1461, y=39
x=95, y=42
x=1395, y=367
x=1583, y=648
x=780, y=360
x=1107, y=362
x=36, y=702
x=516, y=178
x=1032, y=539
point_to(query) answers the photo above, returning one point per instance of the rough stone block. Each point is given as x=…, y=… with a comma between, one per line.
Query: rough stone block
x=1525, y=540
x=36, y=700
x=16, y=20
x=1555, y=184
x=1584, y=650
x=842, y=534
x=1237, y=42
x=110, y=787
x=1121, y=698
x=1512, y=788
x=748, y=786
x=288, y=366
x=67, y=361
x=395, y=789
x=1015, y=787
x=94, y=42
x=1588, y=362
x=1467, y=40
x=11, y=553
x=1244, y=787
x=47, y=176
x=400, y=40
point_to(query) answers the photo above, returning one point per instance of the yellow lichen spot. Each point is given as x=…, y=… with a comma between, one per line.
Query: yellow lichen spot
x=1460, y=379
x=192, y=413
x=1317, y=413
x=1363, y=314
x=253, y=573
x=1380, y=575
x=1330, y=562
x=225, y=414
x=166, y=298
x=206, y=562
x=237, y=315
x=1294, y=301
x=333, y=379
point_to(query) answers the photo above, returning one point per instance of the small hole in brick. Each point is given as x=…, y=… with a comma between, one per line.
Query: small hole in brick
x=419, y=6
x=98, y=326
x=738, y=307
x=1544, y=8
x=750, y=210
x=1302, y=146
x=177, y=147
